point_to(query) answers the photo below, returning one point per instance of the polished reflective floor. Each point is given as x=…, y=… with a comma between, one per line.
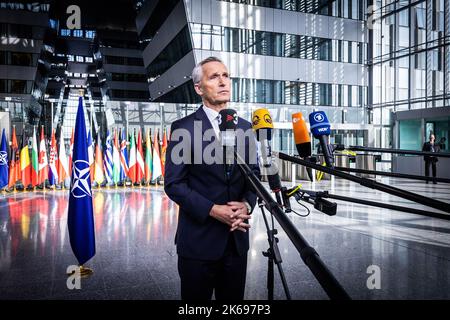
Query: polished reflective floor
x=402, y=255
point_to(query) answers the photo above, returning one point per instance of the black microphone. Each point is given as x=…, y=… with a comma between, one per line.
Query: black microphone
x=263, y=125
x=320, y=128
x=227, y=124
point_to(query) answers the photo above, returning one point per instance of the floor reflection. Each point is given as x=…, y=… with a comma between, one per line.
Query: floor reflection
x=36, y=223
x=136, y=257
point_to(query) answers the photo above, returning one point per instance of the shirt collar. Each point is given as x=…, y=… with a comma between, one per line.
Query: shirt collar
x=210, y=113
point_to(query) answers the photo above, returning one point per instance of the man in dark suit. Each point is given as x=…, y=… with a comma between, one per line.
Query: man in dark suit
x=430, y=146
x=212, y=239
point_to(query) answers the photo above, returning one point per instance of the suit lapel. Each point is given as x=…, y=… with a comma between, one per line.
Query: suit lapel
x=201, y=115
x=203, y=121
x=202, y=118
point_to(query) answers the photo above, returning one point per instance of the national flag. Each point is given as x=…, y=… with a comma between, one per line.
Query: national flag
x=71, y=153
x=123, y=157
x=99, y=177
x=63, y=163
x=116, y=158
x=80, y=217
x=25, y=164
x=14, y=166
x=3, y=161
x=43, y=162
x=53, y=177
x=139, y=158
x=163, y=152
x=17, y=160
x=156, y=170
x=108, y=159
x=133, y=165
x=148, y=157
x=90, y=153
x=34, y=161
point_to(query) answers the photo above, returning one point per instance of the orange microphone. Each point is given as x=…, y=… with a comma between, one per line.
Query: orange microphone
x=301, y=135
x=302, y=139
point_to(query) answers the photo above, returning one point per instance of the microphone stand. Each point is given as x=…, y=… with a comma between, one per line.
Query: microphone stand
x=433, y=203
x=308, y=254
x=400, y=151
x=393, y=174
x=318, y=195
x=273, y=255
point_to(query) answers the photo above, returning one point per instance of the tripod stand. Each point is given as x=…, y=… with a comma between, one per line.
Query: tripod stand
x=307, y=253
x=273, y=255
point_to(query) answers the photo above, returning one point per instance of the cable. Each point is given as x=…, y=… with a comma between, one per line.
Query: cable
x=302, y=215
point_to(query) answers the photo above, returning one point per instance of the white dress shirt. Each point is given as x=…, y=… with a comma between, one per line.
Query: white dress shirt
x=213, y=117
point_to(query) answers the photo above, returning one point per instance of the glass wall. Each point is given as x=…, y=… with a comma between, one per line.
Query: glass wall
x=218, y=38
x=350, y=9
x=126, y=61
x=171, y=54
x=185, y=93
x=410, y=135
x=126, y=77
x=160, y=13
x=16, y=86
x=297, y=93
x=18, y=58
x=411, y=57
x=11, y=30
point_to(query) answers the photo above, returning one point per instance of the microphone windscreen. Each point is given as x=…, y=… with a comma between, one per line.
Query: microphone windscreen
x=319, y=124
x=301, y=135
x=228, y=119
x=261, y=119
x=262, y=123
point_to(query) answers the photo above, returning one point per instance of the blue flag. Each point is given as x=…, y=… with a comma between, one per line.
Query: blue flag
x=80, y=218
x=3, y=162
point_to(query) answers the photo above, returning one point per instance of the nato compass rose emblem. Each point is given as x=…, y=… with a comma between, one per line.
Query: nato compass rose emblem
x=3, y=158
x=81, y=173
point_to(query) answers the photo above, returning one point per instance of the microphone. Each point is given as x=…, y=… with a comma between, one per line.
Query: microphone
x=262, y=124
x=301, y=135
x=320, y=128
x=228, y=120
x=302, y=139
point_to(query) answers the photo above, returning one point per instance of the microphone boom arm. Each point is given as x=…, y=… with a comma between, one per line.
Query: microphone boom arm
x=433, y=203
x=326, y=194
x=308, y=254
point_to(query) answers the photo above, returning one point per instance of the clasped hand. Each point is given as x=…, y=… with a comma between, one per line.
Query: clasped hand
x=234, y=213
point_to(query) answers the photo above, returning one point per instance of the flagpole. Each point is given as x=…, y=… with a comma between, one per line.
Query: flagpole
x=63, y=187
x=92, y=114
x=51, y=104
x=20, y=157
x=15, y=163
x=43, y=182
x=32, y=184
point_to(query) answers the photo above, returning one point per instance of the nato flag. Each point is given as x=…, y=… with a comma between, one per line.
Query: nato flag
x=80, y=218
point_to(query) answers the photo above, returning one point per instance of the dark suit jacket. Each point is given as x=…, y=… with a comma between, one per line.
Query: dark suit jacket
x=197, y=187
x=427, y=148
